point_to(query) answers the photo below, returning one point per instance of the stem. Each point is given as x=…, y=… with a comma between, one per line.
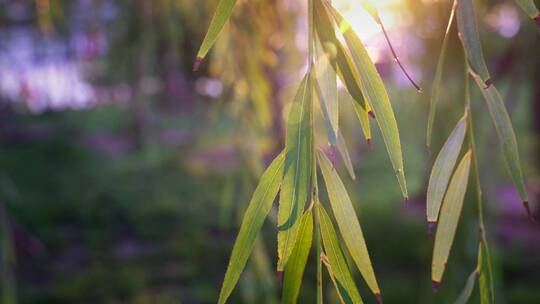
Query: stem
x=311, y=37
x=483, y=244
x=315, y=186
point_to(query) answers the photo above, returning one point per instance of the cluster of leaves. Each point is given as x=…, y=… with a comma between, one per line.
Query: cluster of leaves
x=447, y=187
x=335, y=51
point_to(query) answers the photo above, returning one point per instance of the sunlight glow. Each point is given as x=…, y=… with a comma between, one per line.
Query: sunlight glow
x=366, y=28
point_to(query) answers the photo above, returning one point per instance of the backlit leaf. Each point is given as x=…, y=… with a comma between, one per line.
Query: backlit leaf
x=468, y=32
x=258, y=209
x=222, y=14
x=338, y=266
x=294, y=270
x=348, y=222
x=436, y=88
x=507, y=138
x=442, y=170
x=344, y=152
x=298, y=161
x=346, y=69
x=449, y=218
x=377, y=97
x=326, y=79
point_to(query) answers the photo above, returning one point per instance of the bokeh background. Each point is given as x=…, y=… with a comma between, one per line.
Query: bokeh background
x=124, y=175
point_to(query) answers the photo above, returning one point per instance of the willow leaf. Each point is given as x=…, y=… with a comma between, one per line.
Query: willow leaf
x=336, y=259
x=442, y=170
x=485, y=278
x=258, y=209
x=449, y=218
x=344, y=152
x=294, y=190
x=294, y=270
x=348, y=222
x=507, y=137
x=363, y=118
x=468, y=32
x=466, y=293
x=344, y=64
x=326, y=78
x=377, y=97
x=530, y=9
x=436, y=88
x=221, y=15
x=369, y=7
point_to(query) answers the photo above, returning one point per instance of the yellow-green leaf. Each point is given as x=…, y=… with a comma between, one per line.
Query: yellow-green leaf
x=507, y=137
x=221, y=15
x=326, y=79
x=436, y=88
x=348, y=222
x=344, y=64
x=530, y=9
x=294, y=270
x=344, y=152
x=258, y=209
x=468, y=32
x=377, y=97
x=339, y=268
x=298, y=161
x=363, y=118
x=449, y=218
x=485, y=278
x=442, y=170
x=466, y=293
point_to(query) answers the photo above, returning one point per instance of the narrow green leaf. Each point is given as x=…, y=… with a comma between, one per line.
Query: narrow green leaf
x=363, y=118
x=336, y=259
x=222, y=14
x=298, y=161
x=449, y=218
x=348, y=222
x=436, y=88
x=345, y=67
x=466, y=293
x=485, y=278
x=468, y=32
x=529, y=8
x=258, y=209
x=507, y=137
x=294, y=270
x=326, y=78
x=377, y=97
x=344, y=152
x=442, y=170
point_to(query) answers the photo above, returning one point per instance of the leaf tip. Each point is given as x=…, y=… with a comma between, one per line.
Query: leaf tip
x=537, y=21
x=279, y=277
x=197, y=63
x=370, y=144
x=435, y=285
x=405, y=205
x=372, y=114
x=379, y=298
x=431, y=227
x=529, y=213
